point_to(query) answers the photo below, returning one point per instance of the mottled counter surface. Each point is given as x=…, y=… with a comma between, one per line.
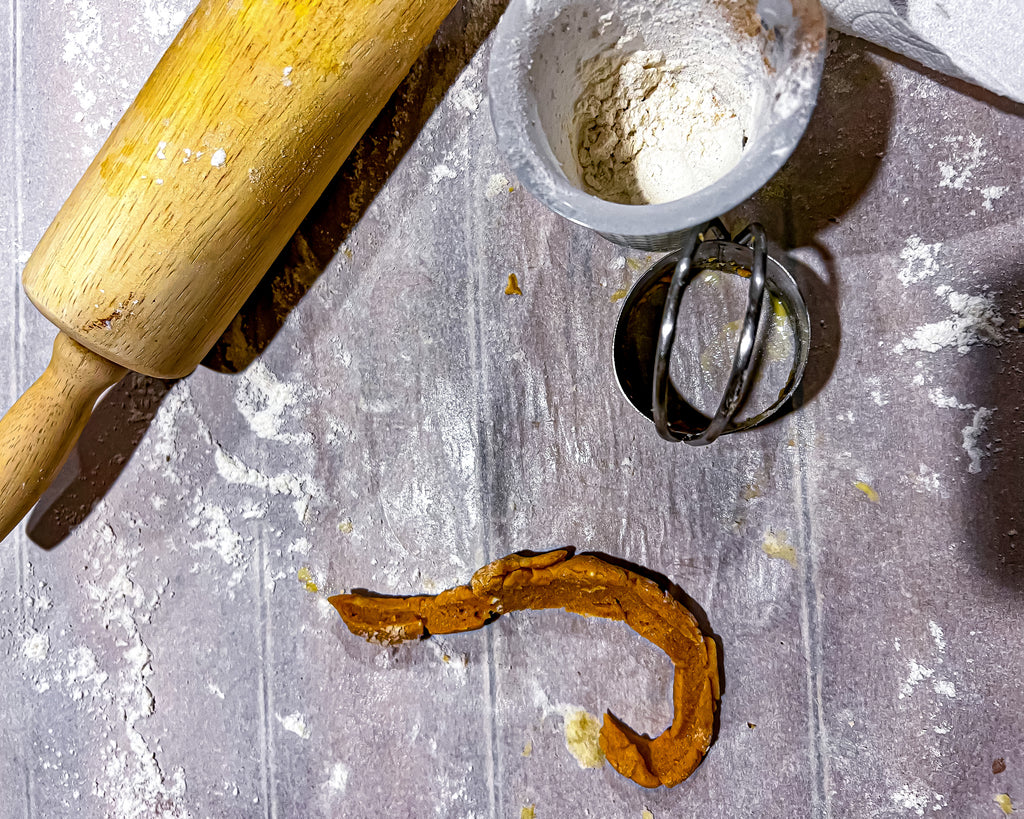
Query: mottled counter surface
x=408, y=421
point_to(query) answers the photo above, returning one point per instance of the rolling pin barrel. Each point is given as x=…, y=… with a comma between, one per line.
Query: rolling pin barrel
x=245, y=120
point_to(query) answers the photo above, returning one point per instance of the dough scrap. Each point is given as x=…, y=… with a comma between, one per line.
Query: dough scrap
x=591, y=587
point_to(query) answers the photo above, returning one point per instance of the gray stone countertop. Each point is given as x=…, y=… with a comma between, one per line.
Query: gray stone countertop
x=406, y=421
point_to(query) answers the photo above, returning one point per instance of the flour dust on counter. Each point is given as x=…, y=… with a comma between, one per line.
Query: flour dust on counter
x=920, y=260
x=928, y=692
x=295, y=723
x=104, y=83
x=972, y=439
x=409, y=419
x=974, y=321
x=266, y=403
x=101, y=667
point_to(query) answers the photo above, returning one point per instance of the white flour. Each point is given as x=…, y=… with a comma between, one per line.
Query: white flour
x=296, y=724
x=920, y=260
x=974, y=321
x=651, y=129
x=338, y=780
x=36, y=646
x=992, y=193
x=497, y=185
x=972, y=438
x=264, y=401
x=304, y=488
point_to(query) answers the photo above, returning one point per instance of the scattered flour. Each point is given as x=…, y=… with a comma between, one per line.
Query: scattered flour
x=464, y=94
x=338, y=780
x=928, y=479
x=917, y=673
x=877, y=394
x=220, y=538
x=163, y=17
x=991, y=194
x=93, y=48
x=651, y=129
x=326, y=611
x=36, y=647
x=958, y=171
x=920, y=260
x=83, y=676
x=932, y=708
x=131, y=781
x=440, y=172
x=219, y=158
x=300, y=546
x=940, y=399
x=972, y=435
x=303, y=488
x=974, y=321
x=264, y=400
x=915, y=799
x=83, y=37
x=162, y=435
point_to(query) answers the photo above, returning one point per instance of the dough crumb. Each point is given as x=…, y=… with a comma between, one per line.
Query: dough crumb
x=306, y=576
x=871, y=494
x=777, y=545
x=582, y=732
x=296, y=724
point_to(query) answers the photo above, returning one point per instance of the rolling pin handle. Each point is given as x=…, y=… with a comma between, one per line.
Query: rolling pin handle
x=38, y=433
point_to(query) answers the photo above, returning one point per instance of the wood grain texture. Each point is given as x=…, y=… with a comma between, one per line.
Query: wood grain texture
x=245, y=120
x=39, y=431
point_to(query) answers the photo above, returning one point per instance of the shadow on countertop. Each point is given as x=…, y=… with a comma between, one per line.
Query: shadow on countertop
x=831, y=169
x=992, y=499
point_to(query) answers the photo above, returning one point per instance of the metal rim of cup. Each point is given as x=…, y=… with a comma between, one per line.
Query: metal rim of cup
x=642, y=352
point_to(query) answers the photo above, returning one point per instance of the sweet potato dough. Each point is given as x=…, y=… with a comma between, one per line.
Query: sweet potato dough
x=591, y=587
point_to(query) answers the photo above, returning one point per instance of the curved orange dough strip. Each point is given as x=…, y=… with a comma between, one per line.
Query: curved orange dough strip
x=588, y=586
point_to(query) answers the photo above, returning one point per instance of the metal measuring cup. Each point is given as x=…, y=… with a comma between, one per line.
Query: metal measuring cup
x=534, y=82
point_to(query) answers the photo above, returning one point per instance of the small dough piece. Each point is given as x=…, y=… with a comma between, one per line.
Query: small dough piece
x=591, y=587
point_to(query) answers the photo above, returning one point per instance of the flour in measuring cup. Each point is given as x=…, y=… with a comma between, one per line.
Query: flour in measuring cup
x=651, y=129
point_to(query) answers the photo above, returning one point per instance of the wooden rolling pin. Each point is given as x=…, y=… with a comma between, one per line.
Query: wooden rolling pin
x=238, y=131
